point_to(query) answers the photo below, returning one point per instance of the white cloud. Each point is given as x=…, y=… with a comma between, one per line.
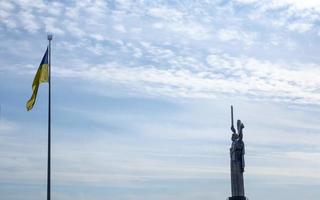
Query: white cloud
x=297, y=4
x=52, y=26
x=97, y=49
x=301, y=5
x=158, y=25
x=156, y=52
x=73, y=28
x=10, y=23
x=55, y=9
x=6, y=6
x=98, y=37
x=247, y=38
x=120, y=28
x=136, y=30
x=7, y=126
x=177, y=21
x=168, y=14
x=6, y=14
x=29, y=21
x=287, y=12
x=300, y=27
x=296, y=82
x=193, y=29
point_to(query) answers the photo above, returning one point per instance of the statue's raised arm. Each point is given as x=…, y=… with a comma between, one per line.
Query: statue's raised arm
x=232, y=127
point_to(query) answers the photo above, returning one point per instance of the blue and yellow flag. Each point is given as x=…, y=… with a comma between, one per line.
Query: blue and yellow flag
x=42, y=76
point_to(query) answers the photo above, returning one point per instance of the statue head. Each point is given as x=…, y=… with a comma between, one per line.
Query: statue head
x=240, y=126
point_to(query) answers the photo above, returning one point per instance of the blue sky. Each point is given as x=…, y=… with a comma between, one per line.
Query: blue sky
x=141, y=92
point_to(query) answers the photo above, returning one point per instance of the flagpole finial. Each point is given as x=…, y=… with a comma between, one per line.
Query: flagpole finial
x=50, y=37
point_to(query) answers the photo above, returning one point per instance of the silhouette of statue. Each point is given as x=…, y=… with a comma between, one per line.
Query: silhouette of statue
x=237, y=163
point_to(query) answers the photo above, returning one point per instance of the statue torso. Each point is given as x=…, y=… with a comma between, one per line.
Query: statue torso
x=237, y=150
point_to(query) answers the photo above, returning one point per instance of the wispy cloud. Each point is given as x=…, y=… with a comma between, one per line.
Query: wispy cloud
x=231, y=34
x=295, y=82
x=7, y=126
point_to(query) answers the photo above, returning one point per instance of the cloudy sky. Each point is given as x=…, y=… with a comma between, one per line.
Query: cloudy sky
x=141, y=92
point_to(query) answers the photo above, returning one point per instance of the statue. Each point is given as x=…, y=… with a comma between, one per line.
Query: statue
x=237, y=163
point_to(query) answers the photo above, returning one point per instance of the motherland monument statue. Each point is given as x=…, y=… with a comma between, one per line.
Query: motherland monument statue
x=237, y=163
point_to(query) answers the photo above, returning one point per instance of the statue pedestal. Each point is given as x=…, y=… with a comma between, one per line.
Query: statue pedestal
x=237, y=198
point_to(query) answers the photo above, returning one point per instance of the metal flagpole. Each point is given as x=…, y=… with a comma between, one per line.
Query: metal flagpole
x=49, y=123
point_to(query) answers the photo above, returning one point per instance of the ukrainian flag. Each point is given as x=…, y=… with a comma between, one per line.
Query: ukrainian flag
x=42, y=76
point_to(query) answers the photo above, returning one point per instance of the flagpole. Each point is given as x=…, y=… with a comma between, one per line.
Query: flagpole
x=49, y=123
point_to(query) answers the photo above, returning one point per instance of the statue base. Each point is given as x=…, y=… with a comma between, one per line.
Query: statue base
x=238, y=198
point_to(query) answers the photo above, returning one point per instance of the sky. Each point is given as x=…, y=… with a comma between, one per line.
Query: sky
x=141, y=95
